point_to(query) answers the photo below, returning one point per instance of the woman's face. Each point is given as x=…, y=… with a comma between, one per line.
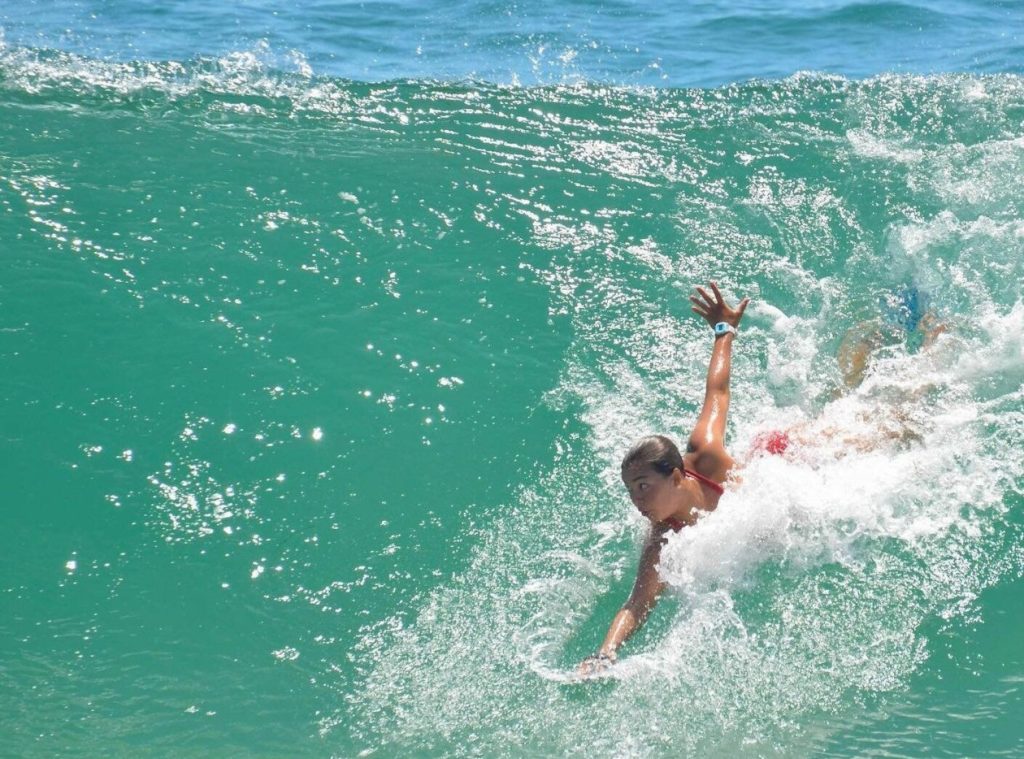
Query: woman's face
x=655, y=495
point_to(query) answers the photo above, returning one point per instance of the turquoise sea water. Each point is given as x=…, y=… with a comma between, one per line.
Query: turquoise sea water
x=320, y=355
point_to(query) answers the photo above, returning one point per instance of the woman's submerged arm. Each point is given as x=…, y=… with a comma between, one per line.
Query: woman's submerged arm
x=709, y=431
x=633, y=614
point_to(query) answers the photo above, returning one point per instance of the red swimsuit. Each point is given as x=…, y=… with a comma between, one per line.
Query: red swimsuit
x=775, y=442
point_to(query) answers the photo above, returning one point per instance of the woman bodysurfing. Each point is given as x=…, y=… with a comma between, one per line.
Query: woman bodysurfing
x=673, y=488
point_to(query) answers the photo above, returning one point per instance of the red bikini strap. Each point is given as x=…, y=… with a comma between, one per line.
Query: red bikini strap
x=706, y=480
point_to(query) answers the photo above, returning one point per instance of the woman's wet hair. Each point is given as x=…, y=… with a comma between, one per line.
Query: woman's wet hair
x=656, y=452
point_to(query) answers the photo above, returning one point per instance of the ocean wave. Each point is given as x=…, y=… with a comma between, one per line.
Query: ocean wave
x=540, y=236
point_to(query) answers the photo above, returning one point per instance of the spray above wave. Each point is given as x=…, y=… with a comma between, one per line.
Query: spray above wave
x=276, y=82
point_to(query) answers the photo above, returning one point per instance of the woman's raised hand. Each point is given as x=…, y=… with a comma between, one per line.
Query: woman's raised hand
x=714, y=310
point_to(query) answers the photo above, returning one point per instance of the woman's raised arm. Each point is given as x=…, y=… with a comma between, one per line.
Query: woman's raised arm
x=709, y=432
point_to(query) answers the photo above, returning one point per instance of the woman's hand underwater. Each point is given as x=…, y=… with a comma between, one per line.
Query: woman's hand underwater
x=714, y=310
x=594, y=664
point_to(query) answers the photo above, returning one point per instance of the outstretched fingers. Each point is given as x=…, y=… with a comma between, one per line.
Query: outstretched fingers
x=708, y=300
x=712, y=306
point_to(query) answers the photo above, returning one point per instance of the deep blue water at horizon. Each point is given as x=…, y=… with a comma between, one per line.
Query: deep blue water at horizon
x=626, y=42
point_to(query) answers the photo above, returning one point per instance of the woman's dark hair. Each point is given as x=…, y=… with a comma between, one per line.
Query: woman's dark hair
x=656, y=452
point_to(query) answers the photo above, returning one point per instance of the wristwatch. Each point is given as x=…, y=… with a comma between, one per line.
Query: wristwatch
x=723, y=328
